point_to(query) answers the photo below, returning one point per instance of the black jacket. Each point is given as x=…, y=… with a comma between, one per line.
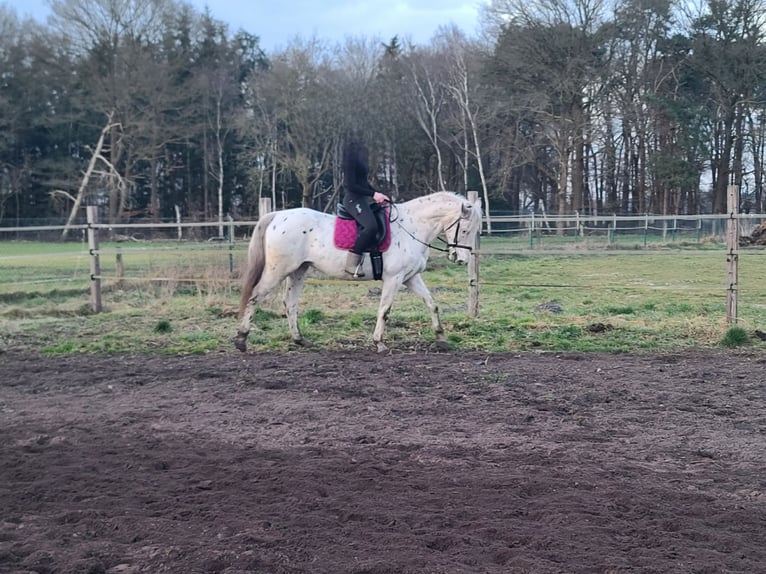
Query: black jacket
x=356, y=169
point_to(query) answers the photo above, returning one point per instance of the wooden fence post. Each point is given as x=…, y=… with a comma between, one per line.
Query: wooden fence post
x=178, y=220
x=264, y=206
x=578, y=226
x=646, y=227
x=119, y=267
x=732, y=256
x=230, y=219
x=95, y=262
x=473, y=267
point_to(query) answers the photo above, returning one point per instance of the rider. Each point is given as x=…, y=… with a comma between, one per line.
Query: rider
x=357, y=193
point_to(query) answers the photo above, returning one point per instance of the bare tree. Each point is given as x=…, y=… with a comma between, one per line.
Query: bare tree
x=550, y=51
x=96, y=157
x=300, y=83
x=728, y=51
x=459, y=82
x=429, y=97
x=124, y=79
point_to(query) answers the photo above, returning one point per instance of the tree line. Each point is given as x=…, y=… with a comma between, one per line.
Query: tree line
x=154, y=110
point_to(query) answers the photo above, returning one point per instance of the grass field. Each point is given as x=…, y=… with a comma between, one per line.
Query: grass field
x=181, y=298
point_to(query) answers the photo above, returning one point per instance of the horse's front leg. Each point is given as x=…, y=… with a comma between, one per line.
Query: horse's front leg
x=293, y=288
x=418, y=286
x=390, y=288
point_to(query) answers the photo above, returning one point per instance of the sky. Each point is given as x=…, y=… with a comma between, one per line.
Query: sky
x=276, y=22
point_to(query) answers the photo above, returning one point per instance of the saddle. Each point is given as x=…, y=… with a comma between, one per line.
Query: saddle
x=346, y=229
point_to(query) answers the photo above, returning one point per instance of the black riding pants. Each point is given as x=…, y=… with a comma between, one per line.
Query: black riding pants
x=359, y=207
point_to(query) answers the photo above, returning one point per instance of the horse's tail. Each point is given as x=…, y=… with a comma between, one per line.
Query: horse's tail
x=256, y=256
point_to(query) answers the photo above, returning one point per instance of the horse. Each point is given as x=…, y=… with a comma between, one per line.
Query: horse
x=286, y=244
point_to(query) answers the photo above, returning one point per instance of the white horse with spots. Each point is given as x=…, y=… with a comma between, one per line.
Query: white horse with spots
x=286, y=244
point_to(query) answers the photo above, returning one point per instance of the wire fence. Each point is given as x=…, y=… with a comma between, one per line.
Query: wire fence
x=209, y=255
x=532, y=228
x=663, y=227
x=544, y=232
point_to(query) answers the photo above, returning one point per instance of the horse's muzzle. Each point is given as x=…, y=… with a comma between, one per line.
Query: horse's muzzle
x=459, y=256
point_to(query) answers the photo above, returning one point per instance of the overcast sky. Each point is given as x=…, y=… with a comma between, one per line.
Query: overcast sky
x=275, y=22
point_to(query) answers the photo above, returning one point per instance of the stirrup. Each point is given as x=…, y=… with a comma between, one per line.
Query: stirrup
x=356, y=273
x=353, y=265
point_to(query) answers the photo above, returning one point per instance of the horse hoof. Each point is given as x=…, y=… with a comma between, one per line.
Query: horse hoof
x=382, y=347
x=241, y=343
x=303, y=342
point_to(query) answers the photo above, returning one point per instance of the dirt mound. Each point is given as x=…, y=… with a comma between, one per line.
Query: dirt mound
x=757, y=237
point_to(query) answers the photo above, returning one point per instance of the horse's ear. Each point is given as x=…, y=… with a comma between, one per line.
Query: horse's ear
x=467, y=209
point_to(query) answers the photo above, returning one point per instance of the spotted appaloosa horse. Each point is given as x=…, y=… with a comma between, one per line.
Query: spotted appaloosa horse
x=286, y=244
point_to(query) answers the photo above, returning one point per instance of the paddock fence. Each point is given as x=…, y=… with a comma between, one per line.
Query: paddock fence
x=39, y=257
x=519, y=232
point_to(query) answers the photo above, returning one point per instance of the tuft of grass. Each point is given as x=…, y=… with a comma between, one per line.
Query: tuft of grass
x=263, y=315
x=194, y=344
x=735, y=337
x=620, y=310
x=163, y=326
x=313, y=316
x=679, y=308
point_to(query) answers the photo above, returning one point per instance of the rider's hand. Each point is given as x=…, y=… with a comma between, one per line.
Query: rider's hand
x=380, y=197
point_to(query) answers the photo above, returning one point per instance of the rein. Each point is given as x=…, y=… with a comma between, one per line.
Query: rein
x=447, y=244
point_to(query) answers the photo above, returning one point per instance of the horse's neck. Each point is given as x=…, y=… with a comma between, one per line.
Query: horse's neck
x=432, y=212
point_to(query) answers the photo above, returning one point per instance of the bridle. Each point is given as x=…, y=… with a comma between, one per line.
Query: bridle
x=447, y=244
x=454, y=244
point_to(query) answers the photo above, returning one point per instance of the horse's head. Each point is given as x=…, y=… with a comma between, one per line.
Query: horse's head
x=461, y=234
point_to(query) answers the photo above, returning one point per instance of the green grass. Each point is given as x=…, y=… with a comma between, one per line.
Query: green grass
x=183, y=301
x=735, y=337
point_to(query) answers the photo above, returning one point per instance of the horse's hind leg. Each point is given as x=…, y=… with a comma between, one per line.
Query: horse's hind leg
x=293, y=288
x=418, y=286
x=265, y=286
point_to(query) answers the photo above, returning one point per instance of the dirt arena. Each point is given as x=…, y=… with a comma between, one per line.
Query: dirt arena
x=320, y=462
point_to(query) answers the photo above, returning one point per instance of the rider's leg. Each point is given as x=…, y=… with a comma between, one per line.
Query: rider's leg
x=359, y=208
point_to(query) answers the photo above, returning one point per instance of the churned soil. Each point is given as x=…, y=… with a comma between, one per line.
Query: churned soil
x=353, y=462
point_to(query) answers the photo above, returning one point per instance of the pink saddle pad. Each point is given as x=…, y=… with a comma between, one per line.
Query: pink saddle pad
x=345, y=233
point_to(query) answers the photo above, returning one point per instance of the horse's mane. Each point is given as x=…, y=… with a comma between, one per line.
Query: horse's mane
x=428, y=196
x=451, y=195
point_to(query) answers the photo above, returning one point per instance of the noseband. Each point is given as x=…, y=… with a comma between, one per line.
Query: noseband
x=455, y=245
